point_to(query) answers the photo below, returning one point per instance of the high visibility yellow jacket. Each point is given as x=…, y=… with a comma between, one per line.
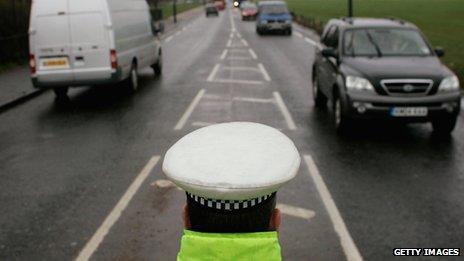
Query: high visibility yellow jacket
x=196, y=246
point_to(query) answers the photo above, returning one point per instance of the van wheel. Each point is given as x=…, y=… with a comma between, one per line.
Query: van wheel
x=342, y=122
x=444, y=126
x=133, y=80
x=61, y=94
x=320, y=101
x=158, y=66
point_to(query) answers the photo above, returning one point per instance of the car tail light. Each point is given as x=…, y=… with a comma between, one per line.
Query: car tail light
x=32, y=64
x=114, y=59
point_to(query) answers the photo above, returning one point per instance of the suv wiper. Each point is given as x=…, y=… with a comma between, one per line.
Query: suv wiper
x=376, y=46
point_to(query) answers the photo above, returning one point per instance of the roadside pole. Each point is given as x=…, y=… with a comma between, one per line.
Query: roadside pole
x=174, y=10
x=350, y=8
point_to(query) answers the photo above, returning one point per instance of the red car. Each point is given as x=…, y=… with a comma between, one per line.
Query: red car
x=220, y=5
x=249, y=11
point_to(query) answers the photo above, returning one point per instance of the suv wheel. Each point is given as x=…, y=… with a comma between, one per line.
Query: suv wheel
x=158, y=66
x=342, y=122
x=445, y=125
x=61, y=94
x=320, y=101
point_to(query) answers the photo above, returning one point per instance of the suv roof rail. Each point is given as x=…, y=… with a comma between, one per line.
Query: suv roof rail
x=396, y=19
x=347, y=19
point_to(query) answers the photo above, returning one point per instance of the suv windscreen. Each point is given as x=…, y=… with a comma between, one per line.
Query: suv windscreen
x=274, y=9
x=384, y=41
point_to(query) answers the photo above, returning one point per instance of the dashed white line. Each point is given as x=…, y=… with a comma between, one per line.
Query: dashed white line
x=93, y=244
x=224, y=54
x=285, y=112
x=348, y=245
x=168, y=39
x=189, y=110
x=310, y=41
x=213, y=73
x=253, y=54
x=244, y=42
x=264, y=72
x=296, y=211
x=240, y=68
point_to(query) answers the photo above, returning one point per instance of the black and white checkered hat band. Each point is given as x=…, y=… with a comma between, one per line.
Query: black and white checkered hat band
x=228, y=204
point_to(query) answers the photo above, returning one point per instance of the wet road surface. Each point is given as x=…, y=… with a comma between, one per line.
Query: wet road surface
x=85, y=180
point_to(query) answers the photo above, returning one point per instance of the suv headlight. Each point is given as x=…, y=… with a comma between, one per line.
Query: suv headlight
x=358, y=84
x=449, y=84
x=263, y=21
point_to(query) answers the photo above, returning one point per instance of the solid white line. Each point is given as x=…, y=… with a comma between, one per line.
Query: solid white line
x=168, y=39
x=253, y=54
x=244, y=42
x=264, y=72
x=112, y=218
x=223, y=55
x=348, y=245
x=310, y=41
x=240, y=68
x=296, y=211
x=238, y=81
x=189, y=110
x=285, y=112
x=232, y=24
x=298, y=34
x=256, y=100
x=213, y=73
x=229, y=43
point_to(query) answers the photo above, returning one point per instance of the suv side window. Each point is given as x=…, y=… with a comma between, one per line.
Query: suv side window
x=331, y=38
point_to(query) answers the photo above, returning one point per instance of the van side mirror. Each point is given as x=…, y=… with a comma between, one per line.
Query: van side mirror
x=329, y=52
x=439, y=52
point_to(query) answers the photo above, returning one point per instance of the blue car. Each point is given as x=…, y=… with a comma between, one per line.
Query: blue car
x=273, y=16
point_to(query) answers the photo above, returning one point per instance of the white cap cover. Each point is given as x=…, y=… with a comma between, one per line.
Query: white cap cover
x=232, y=161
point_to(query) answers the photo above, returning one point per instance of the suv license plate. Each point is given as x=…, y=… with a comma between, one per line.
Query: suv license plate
x=409, y=112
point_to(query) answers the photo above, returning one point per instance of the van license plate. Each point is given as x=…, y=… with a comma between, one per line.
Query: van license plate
x=409, y=112
x=55, y=63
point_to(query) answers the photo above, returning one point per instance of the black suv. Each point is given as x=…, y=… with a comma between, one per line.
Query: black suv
x=383, y=68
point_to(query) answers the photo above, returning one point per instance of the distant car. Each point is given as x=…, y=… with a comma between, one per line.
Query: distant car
x=80, y=44
x=273, y=16
x=249, y=11
x=211, y=9
x=220, y=5
x=384, y=69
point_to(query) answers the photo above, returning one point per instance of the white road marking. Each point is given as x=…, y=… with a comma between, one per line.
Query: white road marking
x=285, y=112
x=213, y=73
x=183, y=29
x=178, y=32
x=93, y=244
x=296, y=211
x=189, y=110
x=164, y=183
x=264, y=72
x=244, y=42
x=231, y=35
x=239, y=35
x=241, y=68
x=238, y=81
x=237, y=51
x=232, y=23
x=250, y=99
x=238, y=58
x=252, y=53
x=348, y=245
x=310, y=41
x=224, y=54
x=202, y=124
x=168, y=39
x=229, y=43
x=298, y=34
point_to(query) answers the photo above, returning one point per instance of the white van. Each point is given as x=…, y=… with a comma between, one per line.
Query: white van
x=91, y=42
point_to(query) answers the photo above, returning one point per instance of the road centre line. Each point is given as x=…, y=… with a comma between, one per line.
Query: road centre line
x=213, y=73
x=238, y=81
x=348, y=245
x=264, y=72
x=168, y=39
x=252, y=53
x=296, y=211
x=285, y=112
x=232, y=23
x=224, y=54
x=93, y=244
x=180, y=124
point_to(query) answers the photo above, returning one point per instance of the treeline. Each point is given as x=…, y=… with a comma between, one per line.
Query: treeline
x=14, y=23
